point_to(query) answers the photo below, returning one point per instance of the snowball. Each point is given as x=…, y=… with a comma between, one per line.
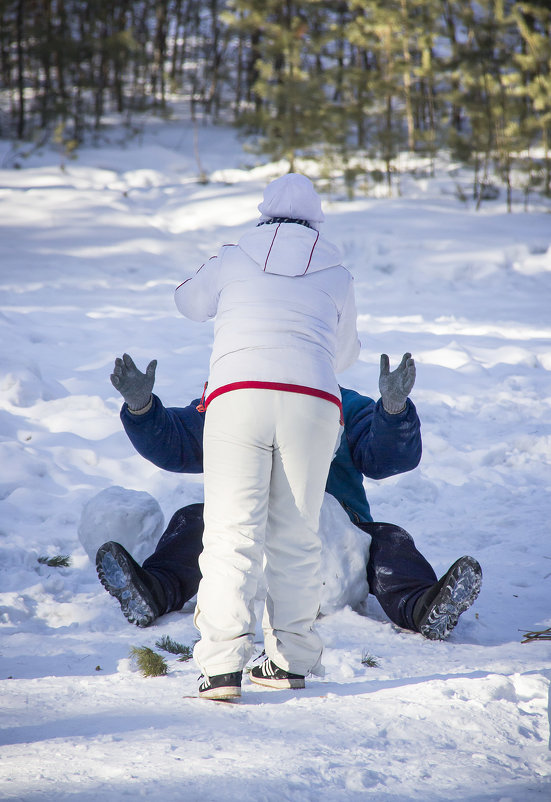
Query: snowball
x=132, y=518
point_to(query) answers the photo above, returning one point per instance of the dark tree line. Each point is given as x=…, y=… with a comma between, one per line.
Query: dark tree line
x=303, y=77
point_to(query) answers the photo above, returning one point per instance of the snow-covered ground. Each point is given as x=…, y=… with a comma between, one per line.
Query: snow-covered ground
x=90, y=252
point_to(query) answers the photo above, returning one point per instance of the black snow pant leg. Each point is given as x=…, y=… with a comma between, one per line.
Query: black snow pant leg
x=397, y=572
x=175, y=561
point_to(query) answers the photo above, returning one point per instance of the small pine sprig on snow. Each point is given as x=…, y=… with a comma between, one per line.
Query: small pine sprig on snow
x=59, y=561
x=368, y=660
x=173, y=647
x=149, y=663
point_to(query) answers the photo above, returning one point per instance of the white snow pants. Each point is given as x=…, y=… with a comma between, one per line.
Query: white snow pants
x=266, y=460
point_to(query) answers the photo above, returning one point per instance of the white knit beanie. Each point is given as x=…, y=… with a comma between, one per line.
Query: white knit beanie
x=293, y=195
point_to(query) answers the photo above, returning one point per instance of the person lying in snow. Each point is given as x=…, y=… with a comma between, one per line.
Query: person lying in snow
x=380, y=439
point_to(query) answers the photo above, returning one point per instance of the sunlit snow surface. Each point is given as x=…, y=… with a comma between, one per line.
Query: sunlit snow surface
x=90, y=252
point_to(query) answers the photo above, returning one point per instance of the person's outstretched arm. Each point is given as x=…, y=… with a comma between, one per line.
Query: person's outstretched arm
x=384, y=438
x=171, y=438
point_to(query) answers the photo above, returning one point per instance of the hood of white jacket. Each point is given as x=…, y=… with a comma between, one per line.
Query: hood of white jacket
x=289, y=249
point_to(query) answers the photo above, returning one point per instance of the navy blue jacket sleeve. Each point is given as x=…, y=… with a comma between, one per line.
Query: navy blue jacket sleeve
x=170, y=438
x=381, y=444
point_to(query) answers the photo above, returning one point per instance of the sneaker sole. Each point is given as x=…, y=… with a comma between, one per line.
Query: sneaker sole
x=286, y=684
x=117, y=576
x=457, y=595
x=221, y=694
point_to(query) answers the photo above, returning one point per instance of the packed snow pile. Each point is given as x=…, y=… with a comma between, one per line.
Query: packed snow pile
x=90, y=254
x=343, y=558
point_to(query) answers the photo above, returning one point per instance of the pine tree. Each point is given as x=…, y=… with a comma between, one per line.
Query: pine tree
x=425, y=26
x=510, y=134
x=534, y=61
x=290, y=112
x=327, y=79
x=376, y=28
x=486, y=91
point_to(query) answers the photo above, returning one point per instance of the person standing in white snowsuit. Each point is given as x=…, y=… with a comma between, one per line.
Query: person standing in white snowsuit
x=285, y=323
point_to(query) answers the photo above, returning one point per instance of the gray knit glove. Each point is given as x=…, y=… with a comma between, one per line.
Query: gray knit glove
x=396, y=386
x=134, y=386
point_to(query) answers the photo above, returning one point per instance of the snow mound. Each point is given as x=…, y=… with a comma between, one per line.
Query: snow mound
x=345, y=551
x=22, y=385
x=130, y=517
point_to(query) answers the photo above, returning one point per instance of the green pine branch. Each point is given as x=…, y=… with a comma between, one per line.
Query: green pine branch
x=173, y=647
x=149, y=662
x=59, y=561
x=369, y=660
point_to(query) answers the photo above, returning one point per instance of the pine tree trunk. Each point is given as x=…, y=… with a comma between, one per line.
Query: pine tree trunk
x=20, y=69
x=160, y=50
x=456, y=115
x=46, y=93
x=238, y=96
x=118, y=64
x=547, y=158
x=407, y=77
x=60, y=60
x=177, y=13
x=100, y=80
x=388, y=155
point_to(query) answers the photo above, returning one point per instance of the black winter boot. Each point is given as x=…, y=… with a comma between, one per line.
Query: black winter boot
x=437, y=611
x=139, y=593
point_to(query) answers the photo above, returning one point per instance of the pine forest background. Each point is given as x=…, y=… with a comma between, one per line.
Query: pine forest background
x=351, y=85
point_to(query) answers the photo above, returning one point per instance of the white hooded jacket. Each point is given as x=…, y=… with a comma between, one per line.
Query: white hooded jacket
x=284, y=308
x=283, y=303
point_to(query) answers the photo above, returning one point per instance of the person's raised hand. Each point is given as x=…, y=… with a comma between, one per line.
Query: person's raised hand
x=396, y=385
x=134, y=386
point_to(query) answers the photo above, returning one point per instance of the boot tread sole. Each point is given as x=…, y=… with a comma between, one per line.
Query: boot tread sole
x=119, y=579
x=457, y=595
